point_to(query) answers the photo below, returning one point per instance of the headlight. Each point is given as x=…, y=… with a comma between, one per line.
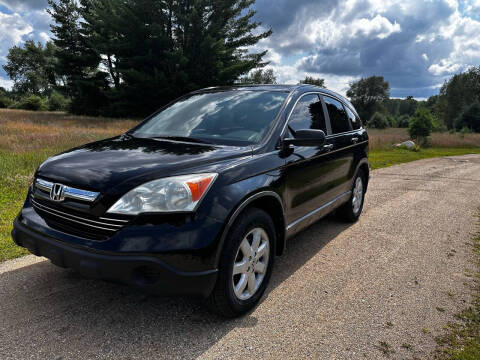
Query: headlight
x=172, y=194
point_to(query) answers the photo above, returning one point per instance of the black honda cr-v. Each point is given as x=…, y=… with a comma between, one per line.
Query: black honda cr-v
x=201, y=196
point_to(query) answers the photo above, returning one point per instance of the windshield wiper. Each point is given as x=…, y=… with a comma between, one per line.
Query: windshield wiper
x=183, y=138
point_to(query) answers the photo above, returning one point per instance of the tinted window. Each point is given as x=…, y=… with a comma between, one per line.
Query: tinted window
x=308, y=114
x=222, y=117
x=354, y=120
x=338, y=115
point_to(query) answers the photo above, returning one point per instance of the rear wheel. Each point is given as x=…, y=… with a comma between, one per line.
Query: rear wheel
x=245, y=264
x=351, y=210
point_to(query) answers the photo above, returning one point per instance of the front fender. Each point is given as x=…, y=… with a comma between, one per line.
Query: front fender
x=234, y=198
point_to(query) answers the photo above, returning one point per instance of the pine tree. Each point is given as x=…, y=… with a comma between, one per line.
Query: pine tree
x=133, y=56
x=77, y=62
x=149, y=65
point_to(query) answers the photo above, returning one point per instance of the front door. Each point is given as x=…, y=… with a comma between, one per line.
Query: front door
x=308, y=170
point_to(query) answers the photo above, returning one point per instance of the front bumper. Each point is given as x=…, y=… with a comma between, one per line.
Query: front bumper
x=143, y=271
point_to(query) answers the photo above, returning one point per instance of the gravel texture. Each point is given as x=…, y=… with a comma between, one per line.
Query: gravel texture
x=384, y=286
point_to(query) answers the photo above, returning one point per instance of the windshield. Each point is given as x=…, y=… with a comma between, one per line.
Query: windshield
x=237, y=117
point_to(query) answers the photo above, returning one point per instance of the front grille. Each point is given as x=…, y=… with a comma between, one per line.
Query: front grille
x=78, y=224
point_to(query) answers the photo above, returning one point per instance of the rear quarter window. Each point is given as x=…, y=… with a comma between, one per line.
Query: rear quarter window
x=354, y=120
x=338, y=116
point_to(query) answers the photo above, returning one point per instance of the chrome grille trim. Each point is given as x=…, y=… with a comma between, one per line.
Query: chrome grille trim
x=70, y=217
x=68, y=191
x=123, y=221
x=44, y=185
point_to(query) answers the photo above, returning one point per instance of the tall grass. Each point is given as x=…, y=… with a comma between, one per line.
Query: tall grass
x=384, y=139
x=26, y=140
x=26, y=131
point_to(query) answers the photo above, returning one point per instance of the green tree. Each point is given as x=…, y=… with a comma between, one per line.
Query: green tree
x=32, y=67
x=214, y=37
x=403, y=121
x=77, y=62
x=378, y=121
x=5, y=100
x=469, y=118
x=408, y=106
x=313, y=81
x=57, y=102
x=260, y=77
x=367, y=95
x=456, y=94
x=99, y=27
x=421, y=124
x=30, y=102
x=150, y=65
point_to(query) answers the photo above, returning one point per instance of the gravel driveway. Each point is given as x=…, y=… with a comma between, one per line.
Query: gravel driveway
x=385, y=285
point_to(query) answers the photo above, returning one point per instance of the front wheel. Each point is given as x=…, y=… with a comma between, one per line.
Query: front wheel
x=245, y=264
x=351, y=210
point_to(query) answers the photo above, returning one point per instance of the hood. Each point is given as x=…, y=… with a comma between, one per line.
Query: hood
x=124, y=162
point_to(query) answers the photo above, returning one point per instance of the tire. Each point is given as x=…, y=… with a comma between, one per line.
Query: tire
x=351, y=210
x=251, y=225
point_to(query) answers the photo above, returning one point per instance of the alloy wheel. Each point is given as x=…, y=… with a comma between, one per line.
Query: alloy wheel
x=251, y=262
x=357, y=198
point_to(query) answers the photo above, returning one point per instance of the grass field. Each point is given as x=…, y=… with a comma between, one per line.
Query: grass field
x=461, y=340
x=28, y=138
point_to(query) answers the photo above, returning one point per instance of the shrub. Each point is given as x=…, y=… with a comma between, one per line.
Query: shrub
x=469, y=118
x=378, y=121
x=421, y=125
x=31, y=102
x=403, y=121
x=440, y=128
x=464, y=131
x=57, y=102
x=5, y=101
x=392, y=121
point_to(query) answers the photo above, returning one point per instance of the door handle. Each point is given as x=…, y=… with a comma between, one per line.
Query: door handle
x=354, y=140
x=328, y=147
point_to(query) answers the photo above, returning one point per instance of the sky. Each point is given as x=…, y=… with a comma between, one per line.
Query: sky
x=414, y=44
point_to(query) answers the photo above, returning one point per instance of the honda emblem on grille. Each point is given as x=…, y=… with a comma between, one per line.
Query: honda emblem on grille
x=57, y=192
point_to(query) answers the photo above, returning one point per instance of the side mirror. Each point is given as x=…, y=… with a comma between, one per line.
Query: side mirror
x=306, y=138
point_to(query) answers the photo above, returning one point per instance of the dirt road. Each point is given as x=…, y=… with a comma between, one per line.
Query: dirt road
x=386, y=284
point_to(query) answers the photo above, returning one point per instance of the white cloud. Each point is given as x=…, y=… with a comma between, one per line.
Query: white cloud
x=473, y=6
x=331, y=32
x=290, y=74
x=12, y=29
x=44, y=36
x=463, y=32
x=444, y=67
x=7, y=84
x=379, y=27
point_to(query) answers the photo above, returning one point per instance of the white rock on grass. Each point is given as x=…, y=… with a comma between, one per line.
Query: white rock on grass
x=408, y=144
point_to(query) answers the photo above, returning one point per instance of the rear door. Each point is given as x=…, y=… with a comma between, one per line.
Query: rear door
x=343, y=139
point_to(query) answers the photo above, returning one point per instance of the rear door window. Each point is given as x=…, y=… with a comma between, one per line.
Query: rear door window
x=308, y=114
x=338, y=116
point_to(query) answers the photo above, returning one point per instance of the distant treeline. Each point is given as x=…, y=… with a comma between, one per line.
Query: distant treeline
x=455, y=108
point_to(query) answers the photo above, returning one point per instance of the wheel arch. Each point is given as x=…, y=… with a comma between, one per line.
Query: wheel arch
x=364, y=165
x=268, y=201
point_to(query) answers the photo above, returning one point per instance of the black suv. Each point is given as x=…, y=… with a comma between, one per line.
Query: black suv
x=200, y=197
